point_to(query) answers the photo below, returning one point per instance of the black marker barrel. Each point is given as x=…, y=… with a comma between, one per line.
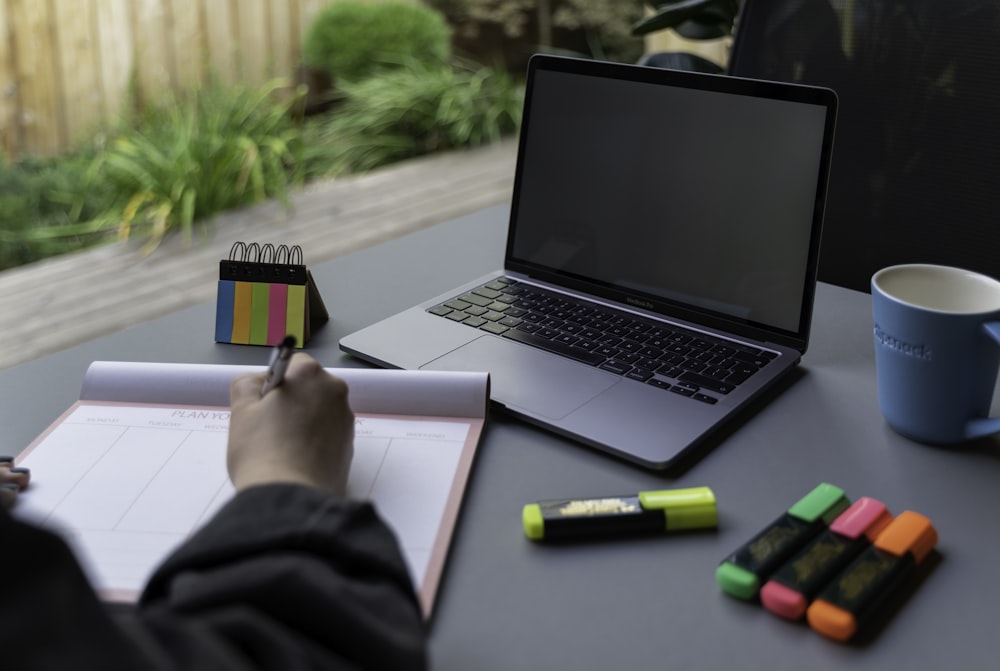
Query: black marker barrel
x=743, y=572
x=792, y=587
x=855, y=595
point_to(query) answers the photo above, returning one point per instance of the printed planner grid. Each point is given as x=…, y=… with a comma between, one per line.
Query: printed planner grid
x=126, y=484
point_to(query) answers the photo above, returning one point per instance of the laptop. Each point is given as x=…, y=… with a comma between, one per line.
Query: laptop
x=661, y=258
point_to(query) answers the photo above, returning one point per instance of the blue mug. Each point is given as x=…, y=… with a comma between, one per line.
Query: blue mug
x=937, y=351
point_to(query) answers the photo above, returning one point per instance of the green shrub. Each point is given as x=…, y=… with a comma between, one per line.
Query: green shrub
x=181, y=162
x=172, y=165
x=417, y=110
x=167, y=167
x=42, y=202
x=353, y=40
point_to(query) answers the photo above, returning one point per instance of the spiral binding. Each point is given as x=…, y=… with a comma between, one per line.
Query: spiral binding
x=254, y=262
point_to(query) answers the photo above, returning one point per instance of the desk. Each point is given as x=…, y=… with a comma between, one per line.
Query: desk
x=510, y=604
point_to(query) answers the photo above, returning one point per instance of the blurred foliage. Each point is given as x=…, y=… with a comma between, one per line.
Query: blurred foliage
x=416, y=110
x=353, y=40
x=170, y=166
x=592, y=28
x=164, y=168
x=193, y=157
x=40, y=199
x=512, y=16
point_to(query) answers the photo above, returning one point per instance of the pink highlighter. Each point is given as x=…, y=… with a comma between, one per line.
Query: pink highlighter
x=792, y=587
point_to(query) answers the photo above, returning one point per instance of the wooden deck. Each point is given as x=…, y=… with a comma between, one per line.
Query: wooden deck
x=57, y=303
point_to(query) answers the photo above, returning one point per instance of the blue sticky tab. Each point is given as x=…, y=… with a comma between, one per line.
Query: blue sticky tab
x=224, y=311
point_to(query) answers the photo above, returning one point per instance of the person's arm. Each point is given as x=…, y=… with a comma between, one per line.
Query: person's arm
x=288, y=575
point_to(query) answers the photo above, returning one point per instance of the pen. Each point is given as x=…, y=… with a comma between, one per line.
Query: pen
x=791, y=588
x=743, y=572
x=856, y=594
x=653, y=511
x=280, y=357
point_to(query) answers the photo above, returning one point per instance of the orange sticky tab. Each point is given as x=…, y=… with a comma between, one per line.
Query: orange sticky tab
x=909, y=532
x=831, y=621
x=243, y=297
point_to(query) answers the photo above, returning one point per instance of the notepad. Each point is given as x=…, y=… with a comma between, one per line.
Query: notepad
x=265, y=293
x=138, y=463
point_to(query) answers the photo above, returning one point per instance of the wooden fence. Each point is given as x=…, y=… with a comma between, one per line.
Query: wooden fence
x=68, y=66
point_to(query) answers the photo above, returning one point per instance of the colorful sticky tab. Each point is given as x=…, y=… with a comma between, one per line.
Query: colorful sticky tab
x=257, y=313
x=264, y=294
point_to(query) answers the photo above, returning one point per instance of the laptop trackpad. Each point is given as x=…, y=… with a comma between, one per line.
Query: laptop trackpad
x=526, y=378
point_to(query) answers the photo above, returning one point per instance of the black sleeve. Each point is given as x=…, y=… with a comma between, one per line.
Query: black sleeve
x=284, y=577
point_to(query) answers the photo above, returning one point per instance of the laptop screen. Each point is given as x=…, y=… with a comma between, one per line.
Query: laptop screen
x=673, y=191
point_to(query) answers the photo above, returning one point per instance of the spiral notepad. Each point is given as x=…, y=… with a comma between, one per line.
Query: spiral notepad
x=265, y=293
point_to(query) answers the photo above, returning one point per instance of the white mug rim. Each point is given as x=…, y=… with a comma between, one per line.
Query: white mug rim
x=951, y=271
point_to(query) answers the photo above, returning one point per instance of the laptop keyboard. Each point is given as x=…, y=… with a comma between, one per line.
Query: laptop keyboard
x=672, y=358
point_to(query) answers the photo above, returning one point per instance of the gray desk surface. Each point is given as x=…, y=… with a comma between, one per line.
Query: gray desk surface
x=506, y=603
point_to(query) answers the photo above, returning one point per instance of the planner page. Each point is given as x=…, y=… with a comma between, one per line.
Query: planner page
x=126, y=483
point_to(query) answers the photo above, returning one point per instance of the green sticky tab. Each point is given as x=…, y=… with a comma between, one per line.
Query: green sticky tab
x=692, y=508
x=825, y=503
x=736, y=581
x=531, y=519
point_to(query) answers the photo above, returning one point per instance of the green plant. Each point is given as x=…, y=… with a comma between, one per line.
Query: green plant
x=417, y=110
x=42, y=198
x=691, y=19
x=214, y=150
x=353, y=40
x=167, y=166
x=604, y=24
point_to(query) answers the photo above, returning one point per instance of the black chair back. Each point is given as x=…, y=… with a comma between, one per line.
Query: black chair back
x=916, y=164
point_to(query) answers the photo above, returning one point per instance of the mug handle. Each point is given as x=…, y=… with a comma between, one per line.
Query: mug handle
x=985, y=426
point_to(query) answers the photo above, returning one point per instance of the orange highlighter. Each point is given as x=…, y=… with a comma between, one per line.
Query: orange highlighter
x=856, y=594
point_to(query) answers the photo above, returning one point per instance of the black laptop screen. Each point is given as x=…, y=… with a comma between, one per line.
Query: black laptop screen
x=682, y=196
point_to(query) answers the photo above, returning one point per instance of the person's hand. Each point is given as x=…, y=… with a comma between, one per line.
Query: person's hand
x=12, y=481
x=301, y=431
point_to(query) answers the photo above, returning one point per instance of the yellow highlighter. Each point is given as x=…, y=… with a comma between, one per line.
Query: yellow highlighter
x=645, y=512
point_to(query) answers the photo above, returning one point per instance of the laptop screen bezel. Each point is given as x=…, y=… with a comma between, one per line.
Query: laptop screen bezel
x=825, y=98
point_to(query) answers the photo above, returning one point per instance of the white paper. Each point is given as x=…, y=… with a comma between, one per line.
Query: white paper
x=372, y=391
x=126, y=483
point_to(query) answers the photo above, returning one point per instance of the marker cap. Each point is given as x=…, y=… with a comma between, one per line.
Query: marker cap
x=737, y=581
x=866, y=517
x=691, y=508
x=783, y=600
x=825, y=502
x=909, y=532
x=832, y=621
x=533, y=522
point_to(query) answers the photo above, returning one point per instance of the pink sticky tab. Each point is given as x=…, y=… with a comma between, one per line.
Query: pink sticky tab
x=865, y=517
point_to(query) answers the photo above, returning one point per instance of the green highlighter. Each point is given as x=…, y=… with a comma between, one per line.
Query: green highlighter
x=743, y=572
x=645, y=512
